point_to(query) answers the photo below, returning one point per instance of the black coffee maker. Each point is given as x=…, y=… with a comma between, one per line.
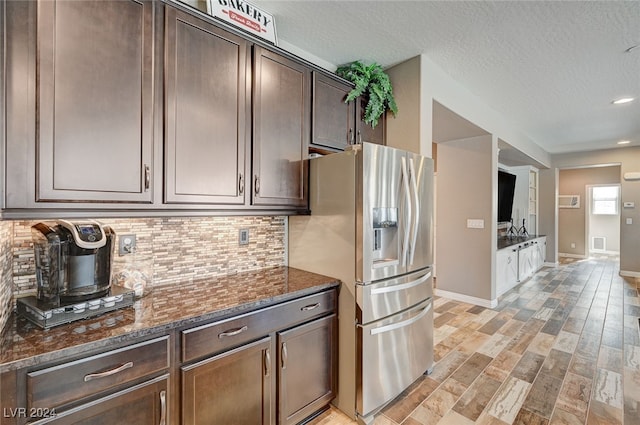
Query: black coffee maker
x=73, y=260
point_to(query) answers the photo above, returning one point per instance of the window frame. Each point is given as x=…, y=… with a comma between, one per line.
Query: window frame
x=595, y=200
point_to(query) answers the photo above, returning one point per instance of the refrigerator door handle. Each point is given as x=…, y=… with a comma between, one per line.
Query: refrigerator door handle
x=402, y=286
x=407, y=229
x=394, y=326
x=416, y=200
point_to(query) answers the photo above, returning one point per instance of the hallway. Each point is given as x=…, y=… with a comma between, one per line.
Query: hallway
x=562, y=348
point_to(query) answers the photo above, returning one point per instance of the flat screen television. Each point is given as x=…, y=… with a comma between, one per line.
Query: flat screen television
x=506, y=188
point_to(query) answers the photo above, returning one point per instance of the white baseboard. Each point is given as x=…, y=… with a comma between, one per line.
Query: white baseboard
x=466, y=298
x=629, y=273
x=547, y=264
x=562, y=254
x=605, y=252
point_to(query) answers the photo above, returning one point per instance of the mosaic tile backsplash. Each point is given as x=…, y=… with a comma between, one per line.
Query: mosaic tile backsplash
x=174, y=250
x=6, y=263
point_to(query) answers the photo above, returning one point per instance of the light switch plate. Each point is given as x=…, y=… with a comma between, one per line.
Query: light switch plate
x=629, y=205
x=629, y=221
x=475, y=223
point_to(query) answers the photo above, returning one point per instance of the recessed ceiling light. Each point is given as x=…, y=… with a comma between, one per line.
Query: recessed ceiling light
x=623, y=100
x=624, y=142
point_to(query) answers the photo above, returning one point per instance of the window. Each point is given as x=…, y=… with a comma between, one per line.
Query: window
x=605, y=200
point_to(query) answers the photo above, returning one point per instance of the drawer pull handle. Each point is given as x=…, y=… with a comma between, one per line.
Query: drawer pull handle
x=256, y=184
x=163, y=407
x=147, y=177
x=232, y=332
x=120, y=368
x=310, y=307
x=284, y=354
x=267, y=362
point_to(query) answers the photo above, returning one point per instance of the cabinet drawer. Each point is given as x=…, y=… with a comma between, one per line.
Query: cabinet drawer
x=216, y=337
x=303, y=309
x=219, y=336
x=58, y=385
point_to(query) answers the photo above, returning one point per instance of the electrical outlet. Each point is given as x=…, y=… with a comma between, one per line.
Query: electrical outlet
x=573, y=244
x=127, y=244
x=243, y=238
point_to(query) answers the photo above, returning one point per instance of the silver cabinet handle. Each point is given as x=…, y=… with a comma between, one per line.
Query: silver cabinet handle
x=284, y=355
x=118, y=369
x=163, y=407
x=241, y=183
x=310, y=307
x=359, y=137
x=416, y=201
x=407, y=193
x=395, y=326
x=350, y=137
x=402, y=286
x=232, y=332
x=256, y=184
x=267, y=362
x=147, y=177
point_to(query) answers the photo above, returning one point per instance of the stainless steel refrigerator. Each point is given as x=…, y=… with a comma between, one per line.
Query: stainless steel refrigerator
x=371, y=226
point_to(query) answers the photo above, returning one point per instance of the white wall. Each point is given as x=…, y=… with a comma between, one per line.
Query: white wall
x=410, y=129
x=629, y=160
x=548, y=211
x=467, y=181
x=607, y=226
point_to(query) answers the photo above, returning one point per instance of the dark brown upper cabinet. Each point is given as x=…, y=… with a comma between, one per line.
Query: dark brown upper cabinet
x=336, y=124
x=281, y=118
x=94, y=94
x=333, y=120
x=114, y=106
x=206, y=142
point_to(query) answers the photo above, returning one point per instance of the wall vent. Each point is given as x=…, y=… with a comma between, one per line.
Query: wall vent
x=598, y=243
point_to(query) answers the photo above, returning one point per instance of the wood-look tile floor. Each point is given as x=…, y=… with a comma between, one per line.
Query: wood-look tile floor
x=561, y=348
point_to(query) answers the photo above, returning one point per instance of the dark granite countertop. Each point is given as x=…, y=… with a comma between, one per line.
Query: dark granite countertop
x=506, y=241
x=166, y=307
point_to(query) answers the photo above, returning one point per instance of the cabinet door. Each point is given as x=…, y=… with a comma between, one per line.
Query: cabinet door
x=235, y=387
x=307, y=369
x=525, y=264
x=206, y=101
x=506, y=270
x=95, y=101
x=333, y=119
x=143, y=404
x=366, y=133
x=281, y=101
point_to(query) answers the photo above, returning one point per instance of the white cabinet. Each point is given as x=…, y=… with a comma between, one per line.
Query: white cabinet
x=519, y=262
x=539, y=252
x=507, y=269
x=525, y=262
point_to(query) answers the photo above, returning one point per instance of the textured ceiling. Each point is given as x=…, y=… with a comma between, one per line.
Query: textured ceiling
x=552, y=68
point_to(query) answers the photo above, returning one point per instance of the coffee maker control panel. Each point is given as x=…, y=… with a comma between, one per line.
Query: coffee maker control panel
x=88, y=235
x=89, y=232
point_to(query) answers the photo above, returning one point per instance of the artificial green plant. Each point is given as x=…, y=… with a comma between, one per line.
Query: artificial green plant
x=373, y=82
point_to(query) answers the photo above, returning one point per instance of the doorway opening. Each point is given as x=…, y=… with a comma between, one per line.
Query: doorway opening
x=603, y=219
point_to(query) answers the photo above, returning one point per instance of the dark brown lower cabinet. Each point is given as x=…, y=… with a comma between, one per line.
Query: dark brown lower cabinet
x=143, y=404
x=306, y=368
x=235, y=387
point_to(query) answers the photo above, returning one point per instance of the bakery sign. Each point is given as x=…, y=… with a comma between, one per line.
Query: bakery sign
x=245, y=16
